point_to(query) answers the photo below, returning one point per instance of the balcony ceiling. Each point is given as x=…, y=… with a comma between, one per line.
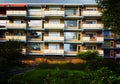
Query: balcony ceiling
x=64, y=2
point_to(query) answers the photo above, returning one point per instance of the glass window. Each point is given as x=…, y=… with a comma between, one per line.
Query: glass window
x=70, y=11
x=70, y=35
x=35, y=34
x=71, y=23
x=70, y=47
x=91, y=22
x=34, y=46
x=91, y=47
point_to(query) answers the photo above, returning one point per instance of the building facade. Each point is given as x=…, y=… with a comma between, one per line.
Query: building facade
x=58, y=28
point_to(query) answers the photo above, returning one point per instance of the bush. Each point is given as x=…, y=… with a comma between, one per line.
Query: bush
x=89, y=55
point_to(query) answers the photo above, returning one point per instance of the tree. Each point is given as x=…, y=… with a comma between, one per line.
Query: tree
x=111, y=14
x=10, y=52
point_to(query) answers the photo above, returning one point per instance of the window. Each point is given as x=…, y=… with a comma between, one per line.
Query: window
x=70, y=35
x=17, y=21
x=70, y=47
x=35, y=23
x=70, y=11
x=54, y=34
x=91, y=22
x=91, y=47
x=35, y=34
x=54, y=46
x=54, y=21
x=34, y=46
x=71, y=23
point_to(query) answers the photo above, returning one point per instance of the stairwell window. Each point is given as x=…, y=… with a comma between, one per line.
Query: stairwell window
x=70, y=11
x=71, y=23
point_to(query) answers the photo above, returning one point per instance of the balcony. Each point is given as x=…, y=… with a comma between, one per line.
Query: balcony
x=54, y=13
x=54, y=26
x=52, y=39
x=36, y=13
x=92, y=26
x=16, y=13
x=89, y=39
x=15, y=26
x=21, y=38
x=91, y=13
x=52, y=52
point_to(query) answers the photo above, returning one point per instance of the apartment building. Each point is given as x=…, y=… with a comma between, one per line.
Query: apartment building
x=59, y=28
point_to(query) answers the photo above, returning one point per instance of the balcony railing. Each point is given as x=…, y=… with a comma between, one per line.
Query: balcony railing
x=54, y=13
x=50, y=51
x=17, y=26
x=92, y=26
x=47, y=38
x=18, y=13
x=21, y=38
x=54, y=26
x=97, y=39
x=91, y=13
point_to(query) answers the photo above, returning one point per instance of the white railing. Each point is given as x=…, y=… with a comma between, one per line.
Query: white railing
x=117, y=45
x=51, y=26
x=22, y=38
x=117, y=56
x=97, y=39
x=11, y=25
x=54, y=13
x=16, y=13
x=47, y=38
x=50, y=51
x=92, y=26
x=91, y=13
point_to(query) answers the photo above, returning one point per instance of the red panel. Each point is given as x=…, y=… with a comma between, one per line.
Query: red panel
x=3, y=5
x=17, y=5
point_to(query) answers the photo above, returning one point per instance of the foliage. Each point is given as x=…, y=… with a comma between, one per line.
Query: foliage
x=10, y=52
x=111, y=14
x=57, y=76
x=88, y=55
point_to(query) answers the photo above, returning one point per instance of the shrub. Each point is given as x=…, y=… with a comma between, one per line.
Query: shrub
x=89, y=55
